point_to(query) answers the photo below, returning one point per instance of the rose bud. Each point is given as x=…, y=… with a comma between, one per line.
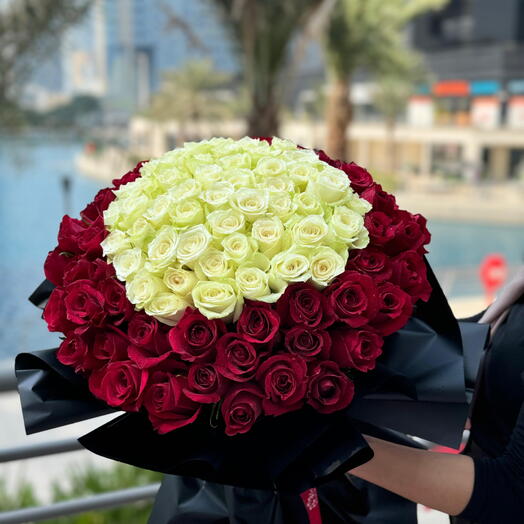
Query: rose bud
x=166, y=403
x=194, y=337
x=241, y=408
x=258, y=323
x=308, y=343
x=395, y=308
x=329, y=388
x=353, y=297
x=237, y=359
x=303, y=304
x=120, y=384
x=204, y=384
x=283, y=378
x=356, y=348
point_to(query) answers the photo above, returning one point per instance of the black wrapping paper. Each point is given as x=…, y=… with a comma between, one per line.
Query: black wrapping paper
x=417, y=388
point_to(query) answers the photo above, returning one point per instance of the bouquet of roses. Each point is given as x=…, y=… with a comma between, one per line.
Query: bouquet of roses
x=252, y=275
x=253, y=306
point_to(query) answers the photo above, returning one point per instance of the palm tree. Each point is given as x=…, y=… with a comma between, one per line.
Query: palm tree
x=29, y=32
x=364, y=34
x=262, y=31
x=192, y=92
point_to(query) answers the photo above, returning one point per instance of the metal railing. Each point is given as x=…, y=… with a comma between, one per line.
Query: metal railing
x=101, y=501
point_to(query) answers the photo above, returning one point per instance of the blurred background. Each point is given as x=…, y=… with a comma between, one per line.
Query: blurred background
x=426, y=94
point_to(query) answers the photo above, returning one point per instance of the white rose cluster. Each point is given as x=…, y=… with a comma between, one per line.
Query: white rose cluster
x=219, y=221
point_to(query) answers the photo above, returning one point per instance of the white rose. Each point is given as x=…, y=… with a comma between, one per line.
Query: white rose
x=158, y=211
x=127, y=262
x=360, y=205
x=115, y=242
x=162, y=250
x=268, y=233
x=213, y=264
x=301, y=173
x=252, y=282
x=281, y=205
x=193, y=243
x=225, y=222
x=140, y=232
x=218, y=194
x=238, y=247
x=290, y=266
x=166, y=307
x=216, y=299
x=346, y=224
x=331, y=186
x=252, y=203
x=309, y=231
x=143, y=288
x=326, y=264
x=180, y=281
x=308, y=204
x=187, y=213
x=239, y=177
x=189, y=188
x=270, y=166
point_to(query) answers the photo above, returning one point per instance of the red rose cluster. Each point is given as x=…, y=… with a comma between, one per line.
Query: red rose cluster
x=275, y=359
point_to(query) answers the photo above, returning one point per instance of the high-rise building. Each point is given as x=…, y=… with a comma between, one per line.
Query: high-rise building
x=121, y=49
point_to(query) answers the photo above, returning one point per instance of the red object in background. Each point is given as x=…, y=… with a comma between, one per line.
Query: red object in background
x=90, y=147
x=493, y=273
x=310, y=499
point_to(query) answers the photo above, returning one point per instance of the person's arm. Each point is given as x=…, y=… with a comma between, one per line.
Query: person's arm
x=438, y=480
x=484, y=490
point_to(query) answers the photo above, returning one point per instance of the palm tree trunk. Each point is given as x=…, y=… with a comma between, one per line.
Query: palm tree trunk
x=263, y=118
x=338, y=117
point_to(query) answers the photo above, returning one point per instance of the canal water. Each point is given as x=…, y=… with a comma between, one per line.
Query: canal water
x=32, y=204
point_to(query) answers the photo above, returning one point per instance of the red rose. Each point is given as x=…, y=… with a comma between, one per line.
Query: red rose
x=56, y=265
x=237, y=358
x=371, y=261
x=120, y=384
x=410, y=233
x=380, y=228
x=409, y=272
x=84, y=304
x=81, y=269
x=74, y=351
x=394, y=311
x=328, y=160
x=379, y=199
x=194, y=337
x=303, y=304
x=99, y=204
x=353, y=297
x=258, y=323
x=69, y=234
x=356, y=348
x=283, y=378
x=142, y=329
x=329, y=388
x=55, y=313
x=129, y=176
x=116, y=302
x=359, y=177
x=241, y=408
x=308, y=343
x=90, y=238
x=149, y=345
x=204, y=384
x=110, y=346
x=166, y=403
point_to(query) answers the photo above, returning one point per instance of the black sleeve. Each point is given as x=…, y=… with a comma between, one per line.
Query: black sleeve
x=498, y=491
